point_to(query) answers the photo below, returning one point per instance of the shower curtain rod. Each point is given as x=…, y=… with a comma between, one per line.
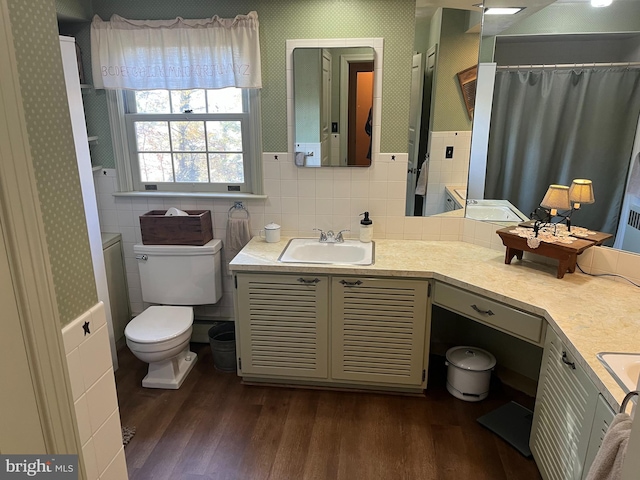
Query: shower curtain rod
x=570, y=65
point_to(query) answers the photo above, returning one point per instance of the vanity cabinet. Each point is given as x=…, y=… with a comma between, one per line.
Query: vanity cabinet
x=117, y=284
x=341, y=330
x=564, y=413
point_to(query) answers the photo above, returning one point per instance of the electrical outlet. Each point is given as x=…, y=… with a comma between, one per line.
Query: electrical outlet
x=449, y=152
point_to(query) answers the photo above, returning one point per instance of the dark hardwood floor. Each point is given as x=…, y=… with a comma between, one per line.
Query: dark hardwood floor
x=214, y=427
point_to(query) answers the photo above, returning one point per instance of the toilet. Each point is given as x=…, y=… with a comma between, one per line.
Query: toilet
x=173, y=278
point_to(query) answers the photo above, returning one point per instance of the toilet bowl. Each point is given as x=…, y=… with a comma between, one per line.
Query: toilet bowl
x=174, y=278
x=160, y=336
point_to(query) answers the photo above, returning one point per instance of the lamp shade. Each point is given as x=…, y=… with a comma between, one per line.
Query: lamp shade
x=581, y=191
x=557, y=197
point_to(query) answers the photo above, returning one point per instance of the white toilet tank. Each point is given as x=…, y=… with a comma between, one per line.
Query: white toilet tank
x=180, y=274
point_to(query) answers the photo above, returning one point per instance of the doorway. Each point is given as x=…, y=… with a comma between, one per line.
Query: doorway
x=360, y=113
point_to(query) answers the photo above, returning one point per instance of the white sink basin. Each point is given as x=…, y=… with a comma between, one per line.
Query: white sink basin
x=310, y=250
x=624, y=367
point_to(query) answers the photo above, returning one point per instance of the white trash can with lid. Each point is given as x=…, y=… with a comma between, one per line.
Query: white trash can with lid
x=469, y=372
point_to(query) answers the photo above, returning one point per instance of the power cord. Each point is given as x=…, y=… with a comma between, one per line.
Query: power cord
x=607, y=275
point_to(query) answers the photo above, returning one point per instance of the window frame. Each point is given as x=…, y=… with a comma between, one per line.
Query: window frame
x=251, y=140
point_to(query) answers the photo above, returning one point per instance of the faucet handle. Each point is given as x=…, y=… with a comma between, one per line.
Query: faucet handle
x=339, y=237
x=323, y=235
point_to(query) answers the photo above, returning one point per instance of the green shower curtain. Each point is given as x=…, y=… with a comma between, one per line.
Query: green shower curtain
x=551, y=126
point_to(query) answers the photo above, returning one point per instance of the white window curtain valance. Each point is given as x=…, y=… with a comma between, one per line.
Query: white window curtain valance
x=176, y=54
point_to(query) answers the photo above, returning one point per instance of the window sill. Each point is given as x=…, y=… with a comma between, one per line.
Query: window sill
x=229, y=196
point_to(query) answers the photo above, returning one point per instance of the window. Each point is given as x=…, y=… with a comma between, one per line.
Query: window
x=193, y=140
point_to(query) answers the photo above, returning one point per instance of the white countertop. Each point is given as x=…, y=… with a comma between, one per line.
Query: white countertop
x=591, y=314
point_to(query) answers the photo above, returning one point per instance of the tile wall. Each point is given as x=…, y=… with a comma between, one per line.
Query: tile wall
x=446, y=171
x=301, y=199
x=94, y=395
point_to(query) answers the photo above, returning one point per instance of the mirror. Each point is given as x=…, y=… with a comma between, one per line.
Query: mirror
x=442, y=87
x=333, y=106
x=575, y=35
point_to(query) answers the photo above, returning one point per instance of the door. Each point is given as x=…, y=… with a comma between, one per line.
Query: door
x=420, y=110
x=325, y=113
x=415, y=118
x=426, y=119
x=378, y=330
x=283, y=325
x=565, y=407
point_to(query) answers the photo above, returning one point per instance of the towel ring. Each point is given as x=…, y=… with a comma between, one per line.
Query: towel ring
x=627, y=398
x=238, y=206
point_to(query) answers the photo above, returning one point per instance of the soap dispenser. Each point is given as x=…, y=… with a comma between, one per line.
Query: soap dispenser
x=366, y=228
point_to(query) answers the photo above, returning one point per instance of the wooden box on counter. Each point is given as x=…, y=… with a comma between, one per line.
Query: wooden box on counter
x=194, y=229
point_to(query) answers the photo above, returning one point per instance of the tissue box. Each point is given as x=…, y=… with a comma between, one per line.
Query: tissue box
x=195, y=229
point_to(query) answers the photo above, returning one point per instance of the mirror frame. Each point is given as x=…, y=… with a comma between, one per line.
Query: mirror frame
x=378, y=46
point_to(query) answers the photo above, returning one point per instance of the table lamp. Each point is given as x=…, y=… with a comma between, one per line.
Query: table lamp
x=556, y=198
x=581, y=191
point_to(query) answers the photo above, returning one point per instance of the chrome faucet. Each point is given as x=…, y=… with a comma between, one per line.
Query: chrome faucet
x=331, y=237
x=339, y=238
x=323, y=235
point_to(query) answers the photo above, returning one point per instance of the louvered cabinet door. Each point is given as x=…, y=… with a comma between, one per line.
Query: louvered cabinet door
x=378, y=330
x=283, y=324
x=601, y=421
x=563, y=416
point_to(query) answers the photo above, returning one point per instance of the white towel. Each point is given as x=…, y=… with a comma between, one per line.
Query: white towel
x=238, y=235
x=608, y=462
x=421, y=186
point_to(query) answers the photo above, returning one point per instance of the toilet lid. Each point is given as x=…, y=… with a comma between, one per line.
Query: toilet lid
x=159, y=323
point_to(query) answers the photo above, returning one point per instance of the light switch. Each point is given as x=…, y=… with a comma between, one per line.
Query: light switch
x=449, y=152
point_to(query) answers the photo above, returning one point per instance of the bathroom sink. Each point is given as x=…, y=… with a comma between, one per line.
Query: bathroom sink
x=624, y=367
x=310, y=250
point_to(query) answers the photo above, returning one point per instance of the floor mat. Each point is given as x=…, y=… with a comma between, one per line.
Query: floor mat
x=127, y=434
x=511, y=422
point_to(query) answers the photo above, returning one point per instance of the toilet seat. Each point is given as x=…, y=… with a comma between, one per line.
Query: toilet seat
x=158, y=324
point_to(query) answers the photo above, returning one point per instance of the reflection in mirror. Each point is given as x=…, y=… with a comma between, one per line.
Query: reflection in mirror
x=333, y=106
x=553, y=108
x=446, y=46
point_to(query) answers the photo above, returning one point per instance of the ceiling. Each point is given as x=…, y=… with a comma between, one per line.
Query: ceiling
x=492, y=24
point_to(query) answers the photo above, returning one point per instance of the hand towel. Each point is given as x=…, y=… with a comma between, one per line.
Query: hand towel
x=608, y=462
x=238, y=235
x=421, y=186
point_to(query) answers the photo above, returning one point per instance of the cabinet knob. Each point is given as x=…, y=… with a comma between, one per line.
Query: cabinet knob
x=142, y=257
x=309, y=282
x=350, y=284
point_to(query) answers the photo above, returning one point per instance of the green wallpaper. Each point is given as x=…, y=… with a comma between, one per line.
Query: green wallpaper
x=52, y=150
x=457, y=51
x=77, y=10
x=286, y=19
